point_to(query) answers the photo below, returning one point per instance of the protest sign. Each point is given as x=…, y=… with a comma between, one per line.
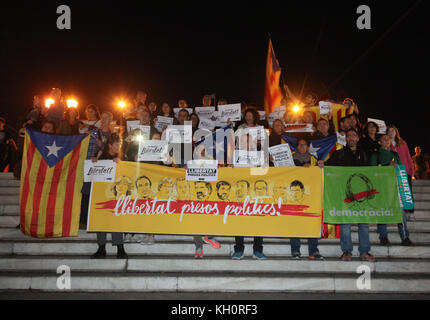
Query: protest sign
x=381, y=124
x=202, y=170
x=282, y=156
x=361, y=195
x=131, y=125
x=230, y=111
x=152, y=150
x=244, y=158
x=162, y=122
x=303, y=127
x=100, y=171
x=179, y=134
x=176, y=111
x=341, y=139
x=325, y=107
x=204, y=112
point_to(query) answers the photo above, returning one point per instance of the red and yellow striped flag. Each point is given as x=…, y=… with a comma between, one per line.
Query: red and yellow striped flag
x=272, y=94
x=51, y=183
x=338, y=112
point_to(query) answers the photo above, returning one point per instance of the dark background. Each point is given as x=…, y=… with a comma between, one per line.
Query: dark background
x=185, y=49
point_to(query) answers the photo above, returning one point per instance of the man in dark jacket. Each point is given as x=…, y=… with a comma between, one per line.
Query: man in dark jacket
x=352, y=156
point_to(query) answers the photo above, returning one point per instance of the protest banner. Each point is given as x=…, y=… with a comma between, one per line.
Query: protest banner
x=145, y=198
x=361, y=195
x=152, y=150
x=282, y=156
x=405, y=191
x=230, y=111
x=100, y=171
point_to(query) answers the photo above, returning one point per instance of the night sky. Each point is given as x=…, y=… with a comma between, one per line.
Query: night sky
x=184, y=49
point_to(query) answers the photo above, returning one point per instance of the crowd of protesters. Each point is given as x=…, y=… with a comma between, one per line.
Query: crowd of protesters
x=110, y=139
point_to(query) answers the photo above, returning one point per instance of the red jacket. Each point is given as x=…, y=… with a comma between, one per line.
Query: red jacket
x=405, y=156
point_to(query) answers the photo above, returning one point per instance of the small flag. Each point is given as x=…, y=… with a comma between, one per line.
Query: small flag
x=273, y=94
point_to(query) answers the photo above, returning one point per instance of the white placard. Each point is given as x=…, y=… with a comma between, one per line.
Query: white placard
x=381, y=124
x=282, y=156
x=202, y=170
x=162, y=122
x=243, y=158
x=274, y=116
x=325, y=107
x=179, y=134
x=230, y=111
x=262, y=115
x=131, y=125
x=205, y=123
x=176, y=111
x=145, y=131
x=204, y=112
x=152, y=150
x=100, y=171
x=280, y=109
x=302, y=127
x=341, y=139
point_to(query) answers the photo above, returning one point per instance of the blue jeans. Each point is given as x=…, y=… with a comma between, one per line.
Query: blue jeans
x=402, y=227
x=363, y=238
x=312, y=246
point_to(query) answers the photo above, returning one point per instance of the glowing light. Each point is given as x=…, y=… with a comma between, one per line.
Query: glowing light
x=139, y=138
x=296, y=109
x=49, y=102
x=121, y=104
x=72, y=103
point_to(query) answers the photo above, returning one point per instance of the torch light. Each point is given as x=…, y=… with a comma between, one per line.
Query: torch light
x=72, y=103
x=49, y=102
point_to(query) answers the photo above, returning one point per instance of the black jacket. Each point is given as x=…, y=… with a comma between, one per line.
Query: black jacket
x=347, y=158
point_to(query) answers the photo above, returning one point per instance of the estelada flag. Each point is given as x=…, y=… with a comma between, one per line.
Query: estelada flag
x=272, y=93
x=51, y=183
x=338, y=112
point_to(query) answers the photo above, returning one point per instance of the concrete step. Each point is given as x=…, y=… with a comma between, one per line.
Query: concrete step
x=9, y=191
x=211, y=264
x=420, y=189
x=420, y=183
x=329, y=250
x=6, y=176
x=9, y=199
x=222, y=282
x=422, y=205
x=15, y=235
x=9, y=183
x=421, y=197
x=9, y=209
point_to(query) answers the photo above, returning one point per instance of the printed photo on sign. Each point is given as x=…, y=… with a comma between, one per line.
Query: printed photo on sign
x=243, y=158
x=341, y=139
x=152, y=150
x=230, y=111
x=176, y=111
x=282, y=156
x=179, y=134
x=100, y=171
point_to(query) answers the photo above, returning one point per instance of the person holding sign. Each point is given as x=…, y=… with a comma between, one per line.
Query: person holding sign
x=110, y=152
x=386, y=157
x=352, y=156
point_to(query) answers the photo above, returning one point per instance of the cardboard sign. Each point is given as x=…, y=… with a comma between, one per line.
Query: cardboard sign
x=100, y=171
x=282, y=156
x=202, y=170
x=230, y=111
x=152, y=150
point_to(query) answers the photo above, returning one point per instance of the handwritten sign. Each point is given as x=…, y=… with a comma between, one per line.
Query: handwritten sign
x=282, y=156
x=202, y=170
x=100, y=171
x=230, y=111
x=179, y=134
x=152, y=150
x=163, y=122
